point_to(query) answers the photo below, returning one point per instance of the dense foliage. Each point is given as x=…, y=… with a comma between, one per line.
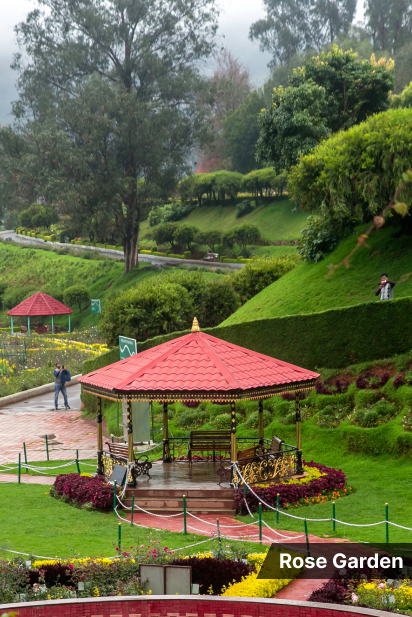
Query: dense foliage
x=355, y=173
x=168, y=303
x=258, y=274
x=330, y=92
x=212, y=575
x=321, y=236
x=38, y=215
x=84, y=491
x=77, y=295
x=404, y=99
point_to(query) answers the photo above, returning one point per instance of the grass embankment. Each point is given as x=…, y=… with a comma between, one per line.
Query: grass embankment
x=307, y=290
x=277, y=221
x=40, y=270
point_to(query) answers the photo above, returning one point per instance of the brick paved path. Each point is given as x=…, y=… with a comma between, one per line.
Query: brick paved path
x=29, y=421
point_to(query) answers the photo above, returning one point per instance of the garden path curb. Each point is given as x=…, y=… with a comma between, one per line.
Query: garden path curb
x=22, y=396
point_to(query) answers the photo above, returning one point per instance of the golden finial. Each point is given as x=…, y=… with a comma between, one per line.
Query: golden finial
x=195, y=325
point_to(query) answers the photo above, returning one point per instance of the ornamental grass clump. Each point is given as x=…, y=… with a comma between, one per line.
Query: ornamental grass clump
x=83, y=491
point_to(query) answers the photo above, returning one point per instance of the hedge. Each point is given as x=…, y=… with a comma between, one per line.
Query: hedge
x=175, y=256
x=332, y=339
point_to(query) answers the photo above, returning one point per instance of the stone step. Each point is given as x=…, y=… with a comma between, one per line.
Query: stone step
x=191, y=504
x=143, y=493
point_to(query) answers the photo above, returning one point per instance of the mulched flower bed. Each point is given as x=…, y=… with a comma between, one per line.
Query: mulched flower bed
x=330, y=485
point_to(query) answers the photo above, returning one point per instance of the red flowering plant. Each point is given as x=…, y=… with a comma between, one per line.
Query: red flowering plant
x=368, y=380
x=332, y=484
x=83, y=491
x=213, y=574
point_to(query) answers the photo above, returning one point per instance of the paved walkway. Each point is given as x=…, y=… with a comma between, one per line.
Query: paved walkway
x=153, y=259
x=31, y=420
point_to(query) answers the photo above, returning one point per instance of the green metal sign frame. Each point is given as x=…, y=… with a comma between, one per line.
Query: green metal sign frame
x=96, y=306
x=127, y=347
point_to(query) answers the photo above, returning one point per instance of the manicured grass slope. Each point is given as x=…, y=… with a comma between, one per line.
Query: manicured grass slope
x=46, y=270
x=306, y=289
x=280, y=220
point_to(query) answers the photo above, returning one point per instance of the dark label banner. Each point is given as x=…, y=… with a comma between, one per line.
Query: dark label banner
x=323, y=561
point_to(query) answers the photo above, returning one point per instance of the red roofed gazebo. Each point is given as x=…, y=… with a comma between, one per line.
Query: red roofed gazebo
x=196, y=367
x=39, y=305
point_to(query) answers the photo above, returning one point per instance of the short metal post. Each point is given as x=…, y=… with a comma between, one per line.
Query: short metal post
x=114, y=495
x=218, y=534
x=112, y=437
x=119, y=537
x=333, y=516
x=47, y=448
x=260, y=523
x=19, y=467
x=131, y=518
x=387, y=522
x=307, y=537
x=184, y=515
x=25, y=456
x=277, y=508
x=77, y=462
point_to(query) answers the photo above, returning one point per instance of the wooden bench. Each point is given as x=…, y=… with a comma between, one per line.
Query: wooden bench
x=209, y=441
x=119, y=453
x=23, y=328
x=249, y=455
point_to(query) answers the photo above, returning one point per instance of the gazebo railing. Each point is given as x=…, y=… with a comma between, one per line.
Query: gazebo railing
x=267, y=466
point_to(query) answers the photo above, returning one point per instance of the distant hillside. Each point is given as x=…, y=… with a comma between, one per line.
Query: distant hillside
x=280, y=220
x=306, y=289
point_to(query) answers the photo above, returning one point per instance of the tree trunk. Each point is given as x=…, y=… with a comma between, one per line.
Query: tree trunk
x=131, y=234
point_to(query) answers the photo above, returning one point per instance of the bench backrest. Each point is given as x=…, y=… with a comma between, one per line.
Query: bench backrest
x=118, y=449
x=276, y=444
x=209, y=434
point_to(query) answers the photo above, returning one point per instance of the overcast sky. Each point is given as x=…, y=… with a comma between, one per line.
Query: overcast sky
x=235, y=19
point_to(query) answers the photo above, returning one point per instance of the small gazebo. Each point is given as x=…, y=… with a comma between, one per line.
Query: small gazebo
x=196, y=367
x=39, y=305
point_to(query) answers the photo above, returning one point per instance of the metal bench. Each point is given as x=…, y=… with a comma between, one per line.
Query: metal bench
x=119, y=454
x=209, y=441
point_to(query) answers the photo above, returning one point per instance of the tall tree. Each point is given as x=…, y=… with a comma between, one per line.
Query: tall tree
x=117, y=82
x=330, y=92
x=389, y=23
x=293, y=26
x=229, y=86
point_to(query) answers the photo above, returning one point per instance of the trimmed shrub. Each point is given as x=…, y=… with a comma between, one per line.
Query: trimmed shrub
x=80, y=490
x=187, y=255
x=212, y=575
x=253, y=419
x=154, y=249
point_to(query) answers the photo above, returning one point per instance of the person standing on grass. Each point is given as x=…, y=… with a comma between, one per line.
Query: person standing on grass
x=59, y=385
x=385, y=288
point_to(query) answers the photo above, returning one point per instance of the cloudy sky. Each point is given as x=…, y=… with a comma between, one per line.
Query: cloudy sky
x=235, y=20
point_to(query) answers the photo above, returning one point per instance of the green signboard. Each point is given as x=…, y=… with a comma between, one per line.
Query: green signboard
x=127, y=347
x=96, y=306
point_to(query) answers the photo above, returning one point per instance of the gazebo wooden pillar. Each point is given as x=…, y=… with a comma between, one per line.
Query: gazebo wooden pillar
x=166, y=444
x=260, y=409
x=299, y=467
x=99, y=419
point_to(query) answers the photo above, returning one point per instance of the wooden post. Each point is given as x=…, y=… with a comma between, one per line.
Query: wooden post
x=299, y=468
x=260, y=422
x=233, y=445
x=130, y=431
x=166, y=447
x=99, y=419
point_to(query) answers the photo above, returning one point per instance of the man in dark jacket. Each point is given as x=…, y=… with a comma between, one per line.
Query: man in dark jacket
x=385, y=288
x=59, y=385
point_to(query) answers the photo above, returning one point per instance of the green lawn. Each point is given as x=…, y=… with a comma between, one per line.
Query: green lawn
x=280, y=220
x=306, y=288
x=33, y=522
x=377, y=480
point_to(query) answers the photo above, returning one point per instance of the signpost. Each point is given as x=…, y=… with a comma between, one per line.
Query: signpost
x=96, y=306
x=127, y=347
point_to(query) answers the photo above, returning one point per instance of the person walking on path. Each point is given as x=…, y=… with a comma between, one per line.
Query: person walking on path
x=59, y=385
x=385, y=289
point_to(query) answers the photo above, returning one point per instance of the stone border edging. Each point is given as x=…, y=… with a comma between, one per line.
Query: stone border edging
x=21, y=396
x=344, y=608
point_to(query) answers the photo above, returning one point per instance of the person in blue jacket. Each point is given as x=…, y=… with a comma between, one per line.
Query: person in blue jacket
x=59, y=385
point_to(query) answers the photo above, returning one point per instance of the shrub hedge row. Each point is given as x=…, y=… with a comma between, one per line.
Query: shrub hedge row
x=333, y=339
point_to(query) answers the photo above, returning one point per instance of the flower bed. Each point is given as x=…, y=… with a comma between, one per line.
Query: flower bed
x=389, y=589
x=330, y=484
x=48, y=580
x=83, y=491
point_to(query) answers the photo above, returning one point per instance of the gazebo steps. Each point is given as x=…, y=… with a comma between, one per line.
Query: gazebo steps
x=172, y=503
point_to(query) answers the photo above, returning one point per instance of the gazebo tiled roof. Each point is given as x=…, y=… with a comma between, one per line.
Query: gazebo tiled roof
x=194, y=367
x=39, y=304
